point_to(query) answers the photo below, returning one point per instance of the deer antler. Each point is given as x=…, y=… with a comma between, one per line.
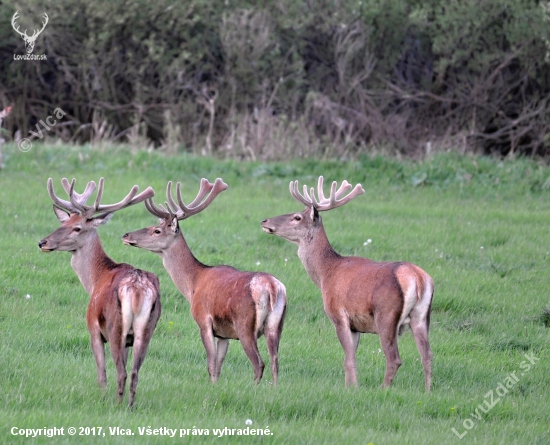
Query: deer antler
x=61, y=203
x=77, y=201
x=13, y=19
x=336, y=198
x=207, y=194
x=35, y=33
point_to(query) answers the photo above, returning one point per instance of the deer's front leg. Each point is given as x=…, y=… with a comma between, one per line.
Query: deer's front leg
x=221, y=351
x=209, y=342
x=350, y=341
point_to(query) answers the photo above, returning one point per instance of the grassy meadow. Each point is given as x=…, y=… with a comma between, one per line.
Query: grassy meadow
x=478, y=226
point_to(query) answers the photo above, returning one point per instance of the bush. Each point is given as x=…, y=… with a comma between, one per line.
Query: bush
x=287, y=79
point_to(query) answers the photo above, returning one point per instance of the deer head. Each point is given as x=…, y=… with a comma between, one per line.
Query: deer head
x=158, y=238
x=78, y=223
x=29, y=40
x=298, y=226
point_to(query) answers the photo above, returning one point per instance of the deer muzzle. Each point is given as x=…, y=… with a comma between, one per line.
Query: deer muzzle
x=127, y=239
x=267, y=227
x=42, y=244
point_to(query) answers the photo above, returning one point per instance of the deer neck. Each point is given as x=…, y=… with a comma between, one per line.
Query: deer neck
x=317, y=255
x=182, y=266
x=90, y=263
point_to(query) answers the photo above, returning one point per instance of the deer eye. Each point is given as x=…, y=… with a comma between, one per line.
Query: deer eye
x=77, y=229
x=157, y=231
x=297, y=218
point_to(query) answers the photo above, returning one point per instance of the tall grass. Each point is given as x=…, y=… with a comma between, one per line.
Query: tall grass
x=477, y=225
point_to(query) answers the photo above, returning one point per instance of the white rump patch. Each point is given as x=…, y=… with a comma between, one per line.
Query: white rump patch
x=137, y=295
x=274, y=317
x=408, y=281
x=269, y=294
x=415, y=305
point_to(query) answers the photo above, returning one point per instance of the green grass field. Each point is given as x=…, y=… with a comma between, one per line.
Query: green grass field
x=478, y=226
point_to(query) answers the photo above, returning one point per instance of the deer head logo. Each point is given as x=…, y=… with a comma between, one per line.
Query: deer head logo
x=29, y=40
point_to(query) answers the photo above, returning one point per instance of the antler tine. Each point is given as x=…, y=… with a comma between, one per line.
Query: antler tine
x=13, y=20
x=61, y=203
x=298, y=196
x=78, y=200
x=99, y=194
x=67, y=185
x=173, y=204
x=145, y=194
x=309, y=197
x=182, y=205
x=173, y=207
x=128, y=201
x=82, y=198
x=160, y=211
x=320, y=189
x=332, y=198
x=206, y=187
x=36, y=32
x=169, y=210
x=154, y=210
x=121, y=204
x=200, y=203
x=46, y=22
x=343, y=189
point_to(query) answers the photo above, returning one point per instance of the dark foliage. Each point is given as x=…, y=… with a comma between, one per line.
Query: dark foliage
x=287, y=78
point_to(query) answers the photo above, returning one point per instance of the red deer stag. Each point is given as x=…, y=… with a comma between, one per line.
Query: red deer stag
x=359, y=295
x=124, y=301
x=225, y=302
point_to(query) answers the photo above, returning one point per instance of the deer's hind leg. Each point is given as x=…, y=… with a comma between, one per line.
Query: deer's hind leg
x=248, y=336
x=387, y=323
x=420, y=325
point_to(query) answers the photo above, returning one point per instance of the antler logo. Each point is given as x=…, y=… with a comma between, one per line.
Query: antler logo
x=29, y=40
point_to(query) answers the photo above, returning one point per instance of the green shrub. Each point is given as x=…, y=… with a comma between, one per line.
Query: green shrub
x=286, y=79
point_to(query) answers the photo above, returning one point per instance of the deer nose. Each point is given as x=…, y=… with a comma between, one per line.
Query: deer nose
x=42, y=243
x=125, y=235
x=264, y=221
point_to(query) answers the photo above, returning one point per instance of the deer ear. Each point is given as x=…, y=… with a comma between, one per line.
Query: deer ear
x=102, y=219
x=62, y=215
x=174, y=224
x=314, y=214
